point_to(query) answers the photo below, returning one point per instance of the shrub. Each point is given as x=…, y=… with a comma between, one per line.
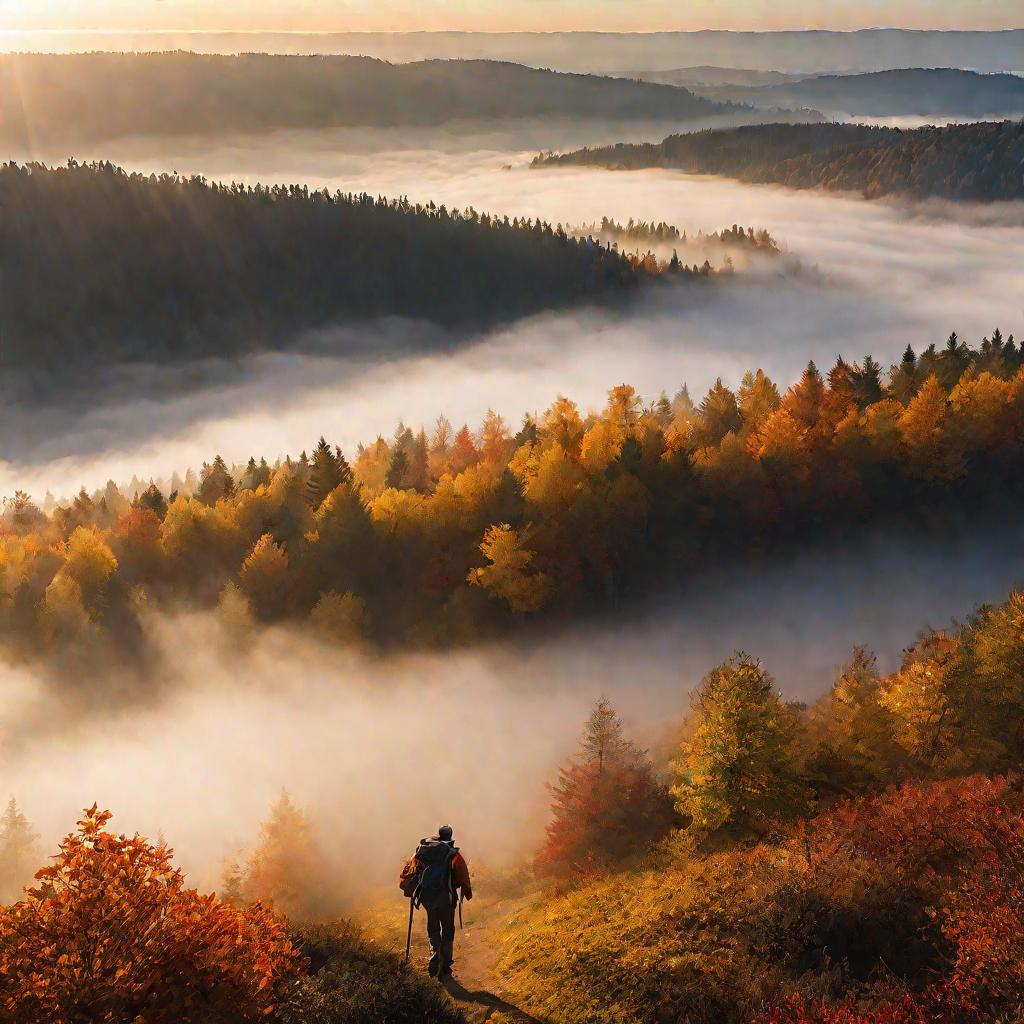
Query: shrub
x=110, y=934
x=354, y=981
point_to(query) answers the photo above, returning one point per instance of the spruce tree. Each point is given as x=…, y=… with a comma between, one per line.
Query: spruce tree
x=20, y=856
x=324, y=474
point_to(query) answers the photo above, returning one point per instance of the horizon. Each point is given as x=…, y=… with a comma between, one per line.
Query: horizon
x=527, y=16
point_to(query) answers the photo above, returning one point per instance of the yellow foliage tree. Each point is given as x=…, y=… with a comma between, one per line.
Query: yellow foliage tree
x=923, y=430
x=89, y=561
x=264, y=577
x=400, y=512
x=506, y=578
x=340, y=617
x=601, y=446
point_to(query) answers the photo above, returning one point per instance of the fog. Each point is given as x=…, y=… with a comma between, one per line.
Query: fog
x=857, y=277
x=379, y=751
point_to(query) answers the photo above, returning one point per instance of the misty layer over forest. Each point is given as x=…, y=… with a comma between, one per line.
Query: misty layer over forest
x=591, y=52
x=50, y=99
x=979, y=162
x=923, y=91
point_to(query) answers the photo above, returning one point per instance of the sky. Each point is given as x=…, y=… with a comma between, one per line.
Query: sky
x=505, y=15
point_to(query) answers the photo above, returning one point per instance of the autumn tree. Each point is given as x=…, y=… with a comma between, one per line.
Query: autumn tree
x=287, y=869
x=719, y=415
x=607, y=803
x=215, y=482
x=264, y=577
x=111, y=933
x=19, y=852
x=738, y=766
x=507, y=577
x=758, y=398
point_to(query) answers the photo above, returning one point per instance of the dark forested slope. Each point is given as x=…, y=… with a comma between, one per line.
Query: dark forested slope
x=923, y=91
x=982, y=161
x=97, y=265
x=47, y=98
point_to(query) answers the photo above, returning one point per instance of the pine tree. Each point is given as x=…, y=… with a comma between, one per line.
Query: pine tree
x=325, y=474
x=287, y=869
x=215, y=482
x=398, y=468
x=607, y=805
x=867, y=382
x=20, y=855
x=232, y=884
x=804, y=400
x=719, y=414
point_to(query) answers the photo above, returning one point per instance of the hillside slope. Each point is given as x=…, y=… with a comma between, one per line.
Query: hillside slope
x=97, y=265
x=50, y=98
x=921, y=91
x=981, y=162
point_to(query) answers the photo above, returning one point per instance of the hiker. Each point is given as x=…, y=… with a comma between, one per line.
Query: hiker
x=437, y=878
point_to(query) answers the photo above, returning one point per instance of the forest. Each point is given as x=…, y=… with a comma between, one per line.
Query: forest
x=102, y=265
x=663, y=235
x=440, y=538
x=980, y=162
x=48, y=99
x=906, y=91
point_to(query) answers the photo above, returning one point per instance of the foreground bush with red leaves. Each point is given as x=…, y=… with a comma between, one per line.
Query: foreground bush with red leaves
x=960, y=843
x=110, y=935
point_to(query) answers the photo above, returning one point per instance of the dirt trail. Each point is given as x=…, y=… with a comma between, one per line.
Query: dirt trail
x=475, y=985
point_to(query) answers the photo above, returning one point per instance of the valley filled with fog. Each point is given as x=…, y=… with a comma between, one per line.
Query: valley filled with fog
x=856, y=278
x=216, y=732
x=202, y=742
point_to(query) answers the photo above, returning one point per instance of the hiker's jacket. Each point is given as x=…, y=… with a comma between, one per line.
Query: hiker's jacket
x=460, y=876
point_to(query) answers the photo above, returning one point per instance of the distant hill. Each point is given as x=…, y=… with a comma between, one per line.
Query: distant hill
x=595, y=52
x=713, y=77
x=983, y=161
x=923, y=91
x=86, y=97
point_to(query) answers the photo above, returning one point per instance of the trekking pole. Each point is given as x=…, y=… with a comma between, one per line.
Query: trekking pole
x=408, y=938
x=460, y=911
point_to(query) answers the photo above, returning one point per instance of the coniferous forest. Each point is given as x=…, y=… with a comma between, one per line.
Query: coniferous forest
x=103, y=265
x=980, y=162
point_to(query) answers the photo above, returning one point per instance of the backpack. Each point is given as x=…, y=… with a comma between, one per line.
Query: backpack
x=434, y=872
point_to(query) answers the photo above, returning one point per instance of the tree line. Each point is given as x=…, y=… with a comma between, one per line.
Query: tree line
x=443, y=537
x=979, y=162
x=57, y=99
x=103, y=266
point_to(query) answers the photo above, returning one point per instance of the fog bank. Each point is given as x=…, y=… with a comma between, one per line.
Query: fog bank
x=381, y=750
x=871, y=277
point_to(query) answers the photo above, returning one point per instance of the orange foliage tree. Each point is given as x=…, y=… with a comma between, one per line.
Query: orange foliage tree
x=110, y=934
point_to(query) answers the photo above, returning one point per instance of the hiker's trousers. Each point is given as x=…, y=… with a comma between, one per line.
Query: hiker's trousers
x=441, y=934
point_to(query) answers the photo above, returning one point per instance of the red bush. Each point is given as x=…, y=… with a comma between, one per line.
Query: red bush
x=111, y=935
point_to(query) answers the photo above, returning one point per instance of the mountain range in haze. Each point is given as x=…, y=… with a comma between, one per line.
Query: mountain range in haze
x=922, y=91
x=600, y=52
x=67, y=99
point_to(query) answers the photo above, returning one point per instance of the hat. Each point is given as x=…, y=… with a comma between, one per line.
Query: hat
x=445, y=833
